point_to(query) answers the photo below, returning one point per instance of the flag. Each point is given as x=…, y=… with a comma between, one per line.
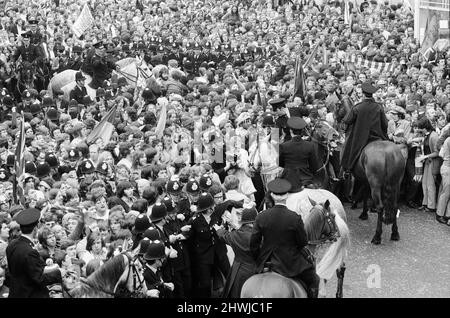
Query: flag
x=161, y=121
x=84, y=21
x=346, y=12
x=19, y=163
x=431, y=34
x=312, y=55
x=325, y=55
x=299, y=84
x=260, y=99
x=104, y=128
x=19, y=159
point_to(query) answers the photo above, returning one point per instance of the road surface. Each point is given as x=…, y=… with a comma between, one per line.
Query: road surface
x=416, y=266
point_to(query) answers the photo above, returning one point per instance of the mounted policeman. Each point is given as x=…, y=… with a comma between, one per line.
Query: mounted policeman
x=366, y=122
x=98, y=65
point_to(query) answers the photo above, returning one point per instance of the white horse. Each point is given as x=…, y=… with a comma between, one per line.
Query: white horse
x=132, y=69
x=264, y=158
x=334, y=255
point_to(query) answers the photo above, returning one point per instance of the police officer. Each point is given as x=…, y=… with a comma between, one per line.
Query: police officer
x=86, y=171
x=36, y=36
x=79, y=91
x=365, y=122
x=175, y=192
x=29, y=52
x=76, y=60
x=298, y=157
x=101, y=66
x=178, y=231
x=28, y=277
x=279, y=240
x=279, y=108
x=193, y=192
x=154, y=258
x=208, y=253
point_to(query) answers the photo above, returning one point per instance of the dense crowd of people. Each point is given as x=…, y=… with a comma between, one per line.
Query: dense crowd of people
x=178, y=174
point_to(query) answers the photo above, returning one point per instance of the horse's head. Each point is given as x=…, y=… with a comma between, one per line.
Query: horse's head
x=118, y=277
x=131, y=282
x=324, y=132
x=26, y=73
x=320, y=225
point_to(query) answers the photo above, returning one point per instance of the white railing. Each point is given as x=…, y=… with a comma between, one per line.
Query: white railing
x=435, y=4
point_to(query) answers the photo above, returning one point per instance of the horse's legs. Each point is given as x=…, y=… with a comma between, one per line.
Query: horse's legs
x=395, y=236
x=376, y=197
x=364, y=195
x=340, y=272
x=322, y=288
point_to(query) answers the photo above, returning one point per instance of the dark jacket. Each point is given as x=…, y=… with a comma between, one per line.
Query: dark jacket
x=299, y=160
x=205, y=243
x=182, y=261
x=78, y=93
x=154, y=281
x=279, y=236
x=29, y=54
x=26, y=267
x=244, y=265
x=102, y=68
x=366, y=122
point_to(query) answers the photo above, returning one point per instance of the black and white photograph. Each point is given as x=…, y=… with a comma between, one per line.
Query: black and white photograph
x=216, y=156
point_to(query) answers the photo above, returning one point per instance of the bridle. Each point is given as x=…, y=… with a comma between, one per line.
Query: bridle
x=325, y=145
x=134, y=78
x=120, y=291
x=333, y=234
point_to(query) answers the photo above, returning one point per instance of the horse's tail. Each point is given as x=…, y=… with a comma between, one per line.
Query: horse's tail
x=336, y=253
x=392, y=179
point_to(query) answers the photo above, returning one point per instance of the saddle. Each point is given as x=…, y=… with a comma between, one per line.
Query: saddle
x=268, y=268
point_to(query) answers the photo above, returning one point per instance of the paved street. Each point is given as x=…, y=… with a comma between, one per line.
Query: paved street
x=416, y=266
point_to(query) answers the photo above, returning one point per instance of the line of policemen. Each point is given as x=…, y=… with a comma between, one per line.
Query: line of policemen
x=184, y=221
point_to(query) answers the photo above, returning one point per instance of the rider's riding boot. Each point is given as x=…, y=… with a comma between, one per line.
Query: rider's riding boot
x=313, y=293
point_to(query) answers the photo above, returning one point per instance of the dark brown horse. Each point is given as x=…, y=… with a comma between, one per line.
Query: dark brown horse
x=382, y=165
x=379, y=170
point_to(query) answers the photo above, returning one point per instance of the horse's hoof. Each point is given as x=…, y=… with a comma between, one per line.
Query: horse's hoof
x=364, y=216
x=395, y=237
x=373, y=210
x=376, y=241
x=354, y=206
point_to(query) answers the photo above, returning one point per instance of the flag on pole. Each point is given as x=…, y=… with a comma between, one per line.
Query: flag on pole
x=346, y=12
x=325, y=55
x=431, y=35
x=85, y=21
x=104, y=128
x=299, y=84
x=312, y=55
x=260, y=99
x=19, y=162
x=19, y=159
x=159, y=131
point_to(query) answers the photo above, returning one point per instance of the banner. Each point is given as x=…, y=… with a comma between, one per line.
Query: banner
x=379, y=66
x=84, y=21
